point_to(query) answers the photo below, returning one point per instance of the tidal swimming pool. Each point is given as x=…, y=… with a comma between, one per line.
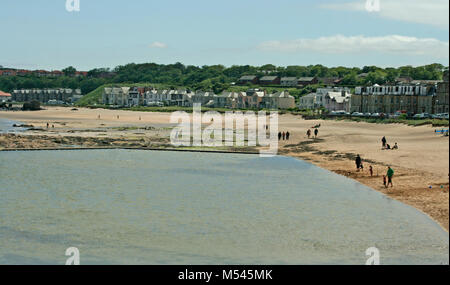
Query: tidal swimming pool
x=150, y=207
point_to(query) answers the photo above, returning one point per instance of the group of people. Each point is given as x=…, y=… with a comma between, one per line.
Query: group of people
x=284, y=135
x=140, y=118
x=385, y=145
x=309, y=133
x=387, y=179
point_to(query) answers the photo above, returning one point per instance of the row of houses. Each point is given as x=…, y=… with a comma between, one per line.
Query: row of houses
x=333, y=99
x=277, y=80
x=39, y=73
x=251, y=99
x=63, y=95
x=427, y=97
x=421, y=97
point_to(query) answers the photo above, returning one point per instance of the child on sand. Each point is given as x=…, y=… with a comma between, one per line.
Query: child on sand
x=384, y=181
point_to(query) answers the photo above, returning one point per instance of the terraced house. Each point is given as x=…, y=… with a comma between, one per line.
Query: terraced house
x=117, y=96
x=337, y=101
x=279, y=100
x=413, y=99
x=331, y=98
x=289, y=81
x=252, y=99
x=442, y=96
x=61, y=95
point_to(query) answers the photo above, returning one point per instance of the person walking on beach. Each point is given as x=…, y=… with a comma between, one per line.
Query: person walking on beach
x=287, y=135
x=316, y=132
x=308, y=133
x=371, y=170
x=390, y=175
x=284, y=135
x=48, y=125
x=358, y=162
x=395, y=146
x=279, y=135
x=383, y=142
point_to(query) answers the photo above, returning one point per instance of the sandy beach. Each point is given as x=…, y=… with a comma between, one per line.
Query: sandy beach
x=421, y=161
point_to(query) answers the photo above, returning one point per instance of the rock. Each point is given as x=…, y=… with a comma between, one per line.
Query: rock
x=23, y=126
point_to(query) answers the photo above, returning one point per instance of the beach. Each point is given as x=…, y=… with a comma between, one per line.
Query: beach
x=420, y=162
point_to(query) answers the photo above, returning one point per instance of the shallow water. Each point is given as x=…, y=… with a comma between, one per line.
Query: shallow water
x=6, y=126
x=147, y=207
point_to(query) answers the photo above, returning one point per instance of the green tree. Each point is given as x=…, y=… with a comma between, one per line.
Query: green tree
x=69, y=71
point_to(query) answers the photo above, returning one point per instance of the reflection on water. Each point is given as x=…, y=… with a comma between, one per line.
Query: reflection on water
x=146, y=207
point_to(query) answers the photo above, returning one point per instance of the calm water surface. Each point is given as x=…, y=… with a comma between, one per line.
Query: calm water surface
x=6, y=126
x=146, y=207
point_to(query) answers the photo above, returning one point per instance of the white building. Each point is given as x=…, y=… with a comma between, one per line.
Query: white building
x=310, y=102
x=337, y=101
x=117, y=96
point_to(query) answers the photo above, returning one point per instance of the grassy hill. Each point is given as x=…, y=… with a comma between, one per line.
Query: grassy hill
x=94, y=97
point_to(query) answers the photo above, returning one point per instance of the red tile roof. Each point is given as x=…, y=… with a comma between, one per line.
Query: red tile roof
x=4, y=94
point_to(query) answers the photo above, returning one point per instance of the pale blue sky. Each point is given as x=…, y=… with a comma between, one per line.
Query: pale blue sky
x=107, y=33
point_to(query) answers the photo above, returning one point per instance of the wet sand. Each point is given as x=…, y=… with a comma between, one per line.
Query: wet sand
x=421, y=161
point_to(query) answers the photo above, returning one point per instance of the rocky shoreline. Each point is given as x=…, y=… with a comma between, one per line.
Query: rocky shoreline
x=18, y=141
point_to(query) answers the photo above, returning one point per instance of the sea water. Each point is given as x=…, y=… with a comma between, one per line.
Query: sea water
x=150, y=207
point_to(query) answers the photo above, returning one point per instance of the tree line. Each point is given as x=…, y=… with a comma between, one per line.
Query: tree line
x=216, y=77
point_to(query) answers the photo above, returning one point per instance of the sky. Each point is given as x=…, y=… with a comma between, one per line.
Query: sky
x=51, y=34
